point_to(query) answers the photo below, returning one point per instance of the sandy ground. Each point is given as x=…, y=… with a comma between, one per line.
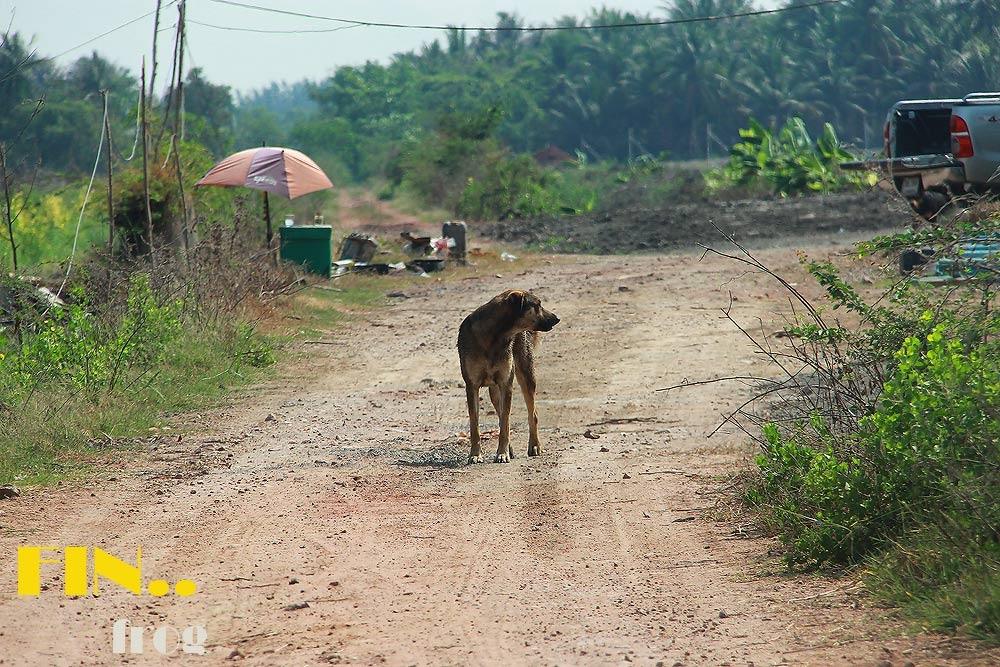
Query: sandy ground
x=329, y=517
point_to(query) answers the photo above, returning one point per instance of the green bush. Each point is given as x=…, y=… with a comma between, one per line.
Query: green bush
x=927, y=449
x=879, y=445
x=93, y=372
x=510, y=187
x=788, y=161
x=71, y=347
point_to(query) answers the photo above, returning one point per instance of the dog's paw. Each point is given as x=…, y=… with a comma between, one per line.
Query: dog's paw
x=535, y=449
x=501, y=458
x=476, y=459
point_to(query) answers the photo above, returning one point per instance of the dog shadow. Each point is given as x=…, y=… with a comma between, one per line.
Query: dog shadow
x=441, y=457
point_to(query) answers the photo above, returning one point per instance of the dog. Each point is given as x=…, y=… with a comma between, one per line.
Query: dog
x=495, y=343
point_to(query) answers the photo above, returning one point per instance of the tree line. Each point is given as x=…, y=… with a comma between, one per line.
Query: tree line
x=683, y=90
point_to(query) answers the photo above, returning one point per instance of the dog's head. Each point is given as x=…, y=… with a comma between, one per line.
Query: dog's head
x=527, y=312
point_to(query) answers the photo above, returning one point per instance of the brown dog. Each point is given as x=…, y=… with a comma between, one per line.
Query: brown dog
x=495, y=343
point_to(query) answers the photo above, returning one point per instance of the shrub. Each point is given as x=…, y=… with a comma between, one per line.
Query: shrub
x=928, y=448
x=878, y=445
x=72, y=348
x=510, y=187
x=788, y=161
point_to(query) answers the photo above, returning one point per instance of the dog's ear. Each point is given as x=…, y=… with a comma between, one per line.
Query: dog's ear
x=518, y=301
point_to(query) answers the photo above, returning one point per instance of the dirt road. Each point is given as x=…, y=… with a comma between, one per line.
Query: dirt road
x=330, y=518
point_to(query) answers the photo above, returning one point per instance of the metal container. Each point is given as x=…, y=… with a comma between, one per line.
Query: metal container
x=308, y=245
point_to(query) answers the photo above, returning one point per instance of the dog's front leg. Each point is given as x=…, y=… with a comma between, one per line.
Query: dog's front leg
x=472, y=397
x=503, y=449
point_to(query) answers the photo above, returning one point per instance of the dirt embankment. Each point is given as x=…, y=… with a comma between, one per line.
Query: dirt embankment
x=752, y=221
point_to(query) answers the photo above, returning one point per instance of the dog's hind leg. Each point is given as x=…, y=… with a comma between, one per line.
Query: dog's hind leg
x=497, y=401
x=472, y=397
x=525, y=370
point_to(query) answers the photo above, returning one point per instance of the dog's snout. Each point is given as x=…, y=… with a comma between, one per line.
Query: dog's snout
x=549, y=320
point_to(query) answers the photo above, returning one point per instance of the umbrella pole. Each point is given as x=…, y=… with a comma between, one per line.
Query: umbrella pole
x=267, y=219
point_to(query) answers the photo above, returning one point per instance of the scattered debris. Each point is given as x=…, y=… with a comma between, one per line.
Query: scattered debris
x=357, y=247
x=20, y=294
x=416, y=246
x=342, y=266
x=295, y=606
x=377, y=268
x=427, y=264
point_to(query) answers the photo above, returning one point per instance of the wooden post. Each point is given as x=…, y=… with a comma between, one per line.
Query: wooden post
x=179, y=108
x=156, y=31
x=180, y=187
x=145, y=162
x=111, y=198
x=8, y=215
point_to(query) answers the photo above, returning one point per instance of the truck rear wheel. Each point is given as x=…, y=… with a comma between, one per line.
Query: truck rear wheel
x=932, y=205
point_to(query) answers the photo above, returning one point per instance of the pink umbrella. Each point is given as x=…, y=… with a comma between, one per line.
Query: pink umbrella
x=283, y=171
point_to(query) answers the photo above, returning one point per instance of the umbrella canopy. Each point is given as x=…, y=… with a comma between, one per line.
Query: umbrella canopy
x=281, y=171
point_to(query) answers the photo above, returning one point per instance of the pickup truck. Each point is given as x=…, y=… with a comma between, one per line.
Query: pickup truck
x=938, y=150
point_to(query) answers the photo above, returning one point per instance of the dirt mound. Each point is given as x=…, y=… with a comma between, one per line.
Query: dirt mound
x=751, y=221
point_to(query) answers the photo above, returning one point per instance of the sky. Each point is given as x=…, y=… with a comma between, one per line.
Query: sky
x=247, y=61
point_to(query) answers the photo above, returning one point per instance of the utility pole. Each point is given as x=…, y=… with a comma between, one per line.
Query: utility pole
x=111, y=198
x=156, y=31
x=179, y=108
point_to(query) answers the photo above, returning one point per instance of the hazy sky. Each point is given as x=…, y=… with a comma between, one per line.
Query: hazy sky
x=249, y=60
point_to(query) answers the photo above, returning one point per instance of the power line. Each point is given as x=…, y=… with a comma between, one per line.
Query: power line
x=29, y=61
x=105, y=34
x=273, y=32
x=544, y=28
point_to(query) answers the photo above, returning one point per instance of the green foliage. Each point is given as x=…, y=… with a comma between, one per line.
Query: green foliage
x=789, y=162
x=887, y=455
x=462, y=167
x=510, y=187
x=928, y=448
x=941, y=581
x=71, y=348
x=81, y=374
x=437, y=165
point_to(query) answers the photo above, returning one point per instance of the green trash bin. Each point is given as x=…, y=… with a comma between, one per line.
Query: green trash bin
x=309, y=245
